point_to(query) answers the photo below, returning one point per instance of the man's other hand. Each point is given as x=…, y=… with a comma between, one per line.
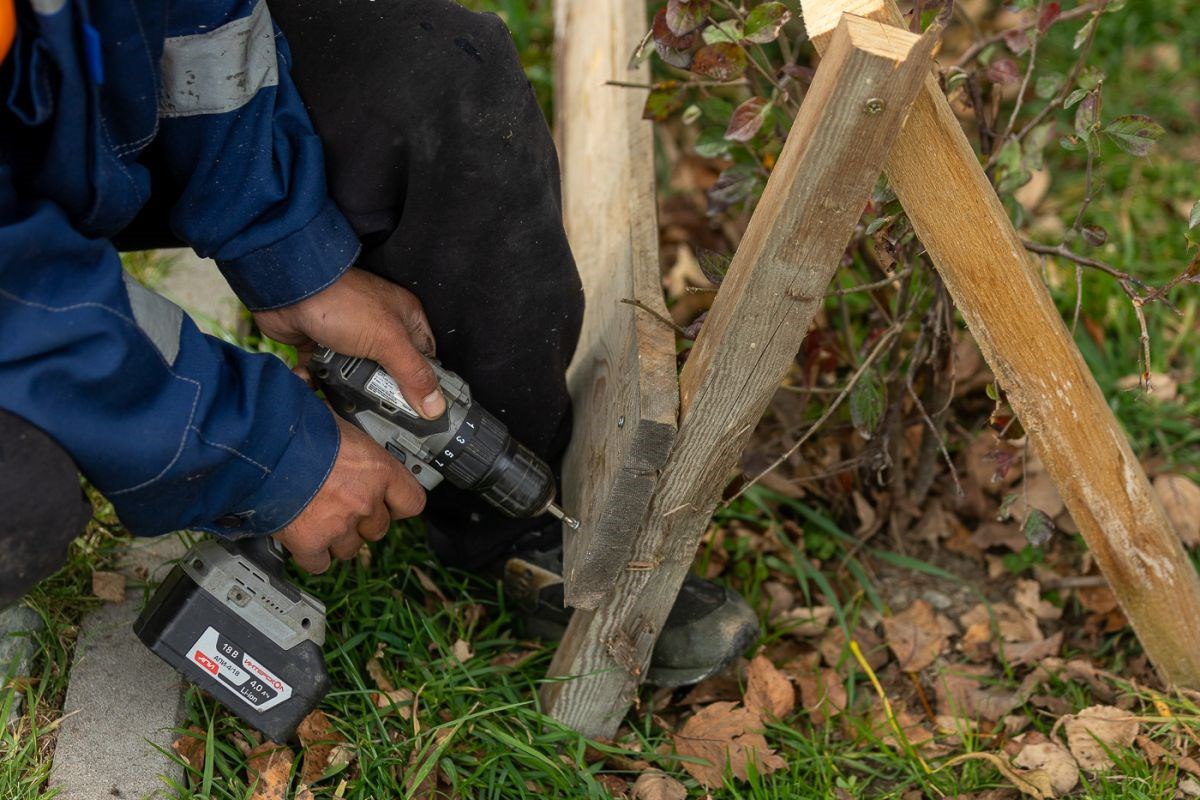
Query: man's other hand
x=363, y=315
x=366, y=490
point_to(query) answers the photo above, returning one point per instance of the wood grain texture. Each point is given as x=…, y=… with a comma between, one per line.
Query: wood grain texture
x=622, y=379
x=815, y=196
x=999, y=292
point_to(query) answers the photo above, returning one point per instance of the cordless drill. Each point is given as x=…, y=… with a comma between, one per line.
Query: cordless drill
x=226, y=616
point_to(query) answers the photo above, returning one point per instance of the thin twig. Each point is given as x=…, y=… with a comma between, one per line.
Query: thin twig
x=1085, y=261
x=870, y=287
x=884, y=340
x=1033, y=48
x=655, y=314
x=933, y=430
x=972, y=52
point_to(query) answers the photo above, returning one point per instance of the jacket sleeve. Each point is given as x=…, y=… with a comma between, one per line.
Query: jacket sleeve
x=178, y=429
x=249, y=168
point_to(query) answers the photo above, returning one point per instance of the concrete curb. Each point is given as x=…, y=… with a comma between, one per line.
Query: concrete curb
x=122, y=701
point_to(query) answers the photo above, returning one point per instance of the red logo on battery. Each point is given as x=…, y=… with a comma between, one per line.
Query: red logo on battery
x=206, y=662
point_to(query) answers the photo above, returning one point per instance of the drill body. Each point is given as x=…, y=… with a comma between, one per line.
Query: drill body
x=227, y=618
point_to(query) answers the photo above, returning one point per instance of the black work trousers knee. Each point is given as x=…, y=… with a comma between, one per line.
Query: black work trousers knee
x=42, y=506
x=438, y=154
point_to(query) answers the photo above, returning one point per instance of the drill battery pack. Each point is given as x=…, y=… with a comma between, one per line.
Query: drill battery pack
x=233, y=626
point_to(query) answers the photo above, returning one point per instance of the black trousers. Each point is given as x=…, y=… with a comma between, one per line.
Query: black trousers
x=438, y=154
x=440, y=157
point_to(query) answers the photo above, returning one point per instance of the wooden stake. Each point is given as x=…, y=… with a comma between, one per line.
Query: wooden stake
x=622, y=379
x=996, y=286
x=815, y=196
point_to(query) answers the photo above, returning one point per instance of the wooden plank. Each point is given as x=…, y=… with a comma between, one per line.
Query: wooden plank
x=815, y=195
x=622, y=379
x=998, y=289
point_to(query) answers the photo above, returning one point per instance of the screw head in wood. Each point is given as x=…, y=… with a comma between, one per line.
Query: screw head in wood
x=874, y=105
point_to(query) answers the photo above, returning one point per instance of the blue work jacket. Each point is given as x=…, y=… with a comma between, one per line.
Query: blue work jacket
x=178, y=429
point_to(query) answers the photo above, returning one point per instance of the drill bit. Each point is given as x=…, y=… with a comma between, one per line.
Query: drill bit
x=567, y=520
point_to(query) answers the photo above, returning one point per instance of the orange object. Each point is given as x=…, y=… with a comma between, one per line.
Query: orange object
x=8, y=26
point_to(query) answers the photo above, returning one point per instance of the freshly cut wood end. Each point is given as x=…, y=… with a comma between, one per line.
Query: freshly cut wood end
x=879, y=39
x=821, y=17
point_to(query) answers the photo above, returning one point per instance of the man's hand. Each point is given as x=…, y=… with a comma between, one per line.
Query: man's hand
x=364, y=492
x=366, y=316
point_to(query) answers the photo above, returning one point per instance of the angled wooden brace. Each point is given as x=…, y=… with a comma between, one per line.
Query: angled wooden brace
x=833, y=156
x=998, y=290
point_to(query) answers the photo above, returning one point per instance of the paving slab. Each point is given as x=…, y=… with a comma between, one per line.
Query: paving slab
x=122, y=701
x=195, y=284
x=18, y=626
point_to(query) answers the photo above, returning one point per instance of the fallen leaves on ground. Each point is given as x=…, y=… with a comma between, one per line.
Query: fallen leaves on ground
x=658, y=786
x=324, y=747
x=109, y=586
x=1054, y=760
x=915, y=636
x=1034, y=783
x=190, y=747
x=1180, y=497
x=725, y=735
x=268, y=770
x=768, y=691
x=1096, y=731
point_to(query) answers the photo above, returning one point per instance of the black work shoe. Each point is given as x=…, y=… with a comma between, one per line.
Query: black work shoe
x=709, y=626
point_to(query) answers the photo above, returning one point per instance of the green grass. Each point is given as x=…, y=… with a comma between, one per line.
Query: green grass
x=478, y=725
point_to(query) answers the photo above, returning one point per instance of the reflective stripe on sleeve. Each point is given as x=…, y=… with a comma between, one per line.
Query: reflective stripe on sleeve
x=221, y=70
x=159, y=318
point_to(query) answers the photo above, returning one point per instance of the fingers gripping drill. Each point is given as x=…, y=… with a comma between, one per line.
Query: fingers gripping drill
x=227, y=618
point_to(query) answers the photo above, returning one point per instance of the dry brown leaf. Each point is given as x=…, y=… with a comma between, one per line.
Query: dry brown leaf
x=1034, y=783
x=617, y=787
x=1014, y=624
x=768, y=691
x=375, y=669
x=109, y=586
x=914, y=636
x=190, y=747
x=725, y=685
x=658, y=786
x=1039, y=491
x=780, y=598
x=913, y=727
x=429, y=586
x=462, y=650
x=835, y=650
x=319, y=739
x=1017, y=653
x=513, y=658
x=1180, y=497
x=1095, y=729
x=999, y=534
x=962, y=692
x=1097, y=599
x=803, y=622
x=823, y=694
x=1054, y=760
x=400, y=701
x=725, y=735
x=268, y=769
x=1028, y=597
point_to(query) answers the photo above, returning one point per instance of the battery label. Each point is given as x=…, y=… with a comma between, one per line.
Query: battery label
x=384, y=387
x=240, y=672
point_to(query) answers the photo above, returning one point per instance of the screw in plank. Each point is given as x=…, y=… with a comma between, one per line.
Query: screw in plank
x=874, y=105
